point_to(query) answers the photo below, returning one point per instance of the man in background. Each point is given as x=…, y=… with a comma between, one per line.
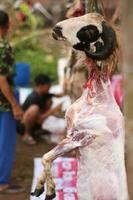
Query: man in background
x=37, y=107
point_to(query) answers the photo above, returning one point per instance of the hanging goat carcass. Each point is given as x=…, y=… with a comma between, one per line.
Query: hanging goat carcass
x=94, y=122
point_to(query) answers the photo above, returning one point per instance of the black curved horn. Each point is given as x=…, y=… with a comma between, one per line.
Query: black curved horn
x=88, y=34
x=109, y=38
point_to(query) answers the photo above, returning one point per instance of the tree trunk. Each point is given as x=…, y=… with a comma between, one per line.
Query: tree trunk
x=128, y=87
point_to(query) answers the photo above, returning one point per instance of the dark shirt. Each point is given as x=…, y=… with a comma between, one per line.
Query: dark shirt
x=7, y=69
x=35, y=99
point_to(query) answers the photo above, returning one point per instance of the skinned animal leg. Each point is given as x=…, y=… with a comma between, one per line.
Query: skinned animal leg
x=65, y=146
x=81, y=138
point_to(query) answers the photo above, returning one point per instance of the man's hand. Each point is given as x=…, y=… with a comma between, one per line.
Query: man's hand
x=5, y=88
x=17, y=112
x=52, y=111
x=56, y=109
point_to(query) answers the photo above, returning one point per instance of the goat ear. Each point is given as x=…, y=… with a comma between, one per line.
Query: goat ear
x=88, y=34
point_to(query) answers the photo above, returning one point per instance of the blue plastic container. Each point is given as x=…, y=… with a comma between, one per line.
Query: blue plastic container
x=23, y=74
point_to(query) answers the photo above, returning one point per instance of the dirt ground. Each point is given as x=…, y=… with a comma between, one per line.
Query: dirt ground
x=23, y=167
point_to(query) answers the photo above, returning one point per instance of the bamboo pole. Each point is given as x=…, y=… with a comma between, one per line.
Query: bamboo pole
x=86, y=6
x=91, y=6
x=127, y=9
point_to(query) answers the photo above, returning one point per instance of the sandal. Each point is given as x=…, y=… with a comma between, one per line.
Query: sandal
x=29, y=140
x=12, y=189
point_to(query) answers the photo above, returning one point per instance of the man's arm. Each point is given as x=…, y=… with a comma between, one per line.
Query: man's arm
x=49, y=112
x=7, y=92
x=58, y=95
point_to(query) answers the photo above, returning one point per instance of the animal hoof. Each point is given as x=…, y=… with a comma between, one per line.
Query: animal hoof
x=38, y=192
x=50, y=197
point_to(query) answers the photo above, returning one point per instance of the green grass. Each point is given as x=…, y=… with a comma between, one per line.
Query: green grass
x=40, y=60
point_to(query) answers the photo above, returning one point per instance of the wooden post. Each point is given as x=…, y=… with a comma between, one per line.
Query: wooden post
x=127, y=11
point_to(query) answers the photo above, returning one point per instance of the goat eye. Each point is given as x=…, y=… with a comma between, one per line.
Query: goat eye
x=98, y=46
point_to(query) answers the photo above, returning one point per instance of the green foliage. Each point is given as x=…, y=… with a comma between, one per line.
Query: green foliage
x=40, y=60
